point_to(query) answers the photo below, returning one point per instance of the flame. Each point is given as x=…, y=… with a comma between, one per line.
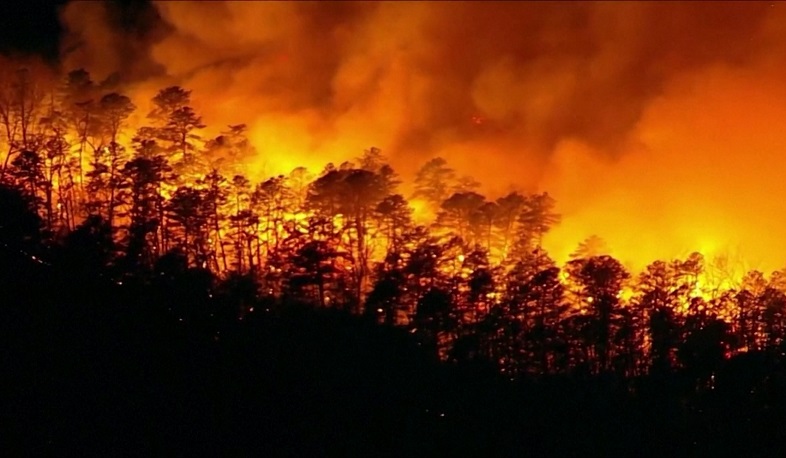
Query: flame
x=653, y=125
x=422, y=212
x=626, y=294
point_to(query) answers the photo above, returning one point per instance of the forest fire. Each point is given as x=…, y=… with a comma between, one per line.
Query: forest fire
x=545, y=205
x=212, y=152
x=643, y=170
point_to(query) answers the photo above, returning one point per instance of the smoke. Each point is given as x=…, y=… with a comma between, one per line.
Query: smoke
x=654, y=125
x=109, y=40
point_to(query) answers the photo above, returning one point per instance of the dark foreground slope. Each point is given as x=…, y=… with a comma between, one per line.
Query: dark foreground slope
x=95, y=368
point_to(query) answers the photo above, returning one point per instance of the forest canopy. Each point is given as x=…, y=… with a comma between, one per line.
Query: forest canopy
x=393, y=229
x=467, y=273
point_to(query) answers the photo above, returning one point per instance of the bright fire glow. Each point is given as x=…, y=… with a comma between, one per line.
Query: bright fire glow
x=662, y=143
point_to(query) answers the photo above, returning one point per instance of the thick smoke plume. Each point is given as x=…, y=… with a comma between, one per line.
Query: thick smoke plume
x=655, y=125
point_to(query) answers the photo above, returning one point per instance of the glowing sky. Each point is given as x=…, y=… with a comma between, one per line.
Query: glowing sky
x=655, y=125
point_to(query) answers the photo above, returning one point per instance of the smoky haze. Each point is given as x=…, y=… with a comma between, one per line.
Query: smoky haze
x=654, y=125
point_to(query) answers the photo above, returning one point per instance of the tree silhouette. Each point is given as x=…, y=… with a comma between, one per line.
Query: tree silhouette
x=88, y=250
x=434, y=181
x=79, y=100
x=394, y=219
x=271, y=200
x=589, y=247
x=382, y=303
x=210, y=298
x=536, y=218
x=662, y=294
x=28, y=170
x=704, y=348
x=114, y=109
x=458, y=212
x=20, y=225
x=509, y=207
x=773, y=317
x=352, y=194
x=434, y=316
x=245, y=223
x=600, y=279
x=482, y=224
x=189, y=213
x=229, y=149
x=60, y=170
x=175, y=123
x=145, y=177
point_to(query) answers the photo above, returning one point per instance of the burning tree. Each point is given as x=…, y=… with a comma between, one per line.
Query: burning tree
x=475, y=279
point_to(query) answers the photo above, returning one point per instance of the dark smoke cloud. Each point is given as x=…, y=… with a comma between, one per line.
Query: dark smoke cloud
x=542, y=72
x=111, y=38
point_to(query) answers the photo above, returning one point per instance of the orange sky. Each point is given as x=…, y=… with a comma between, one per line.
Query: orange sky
x=655, y=125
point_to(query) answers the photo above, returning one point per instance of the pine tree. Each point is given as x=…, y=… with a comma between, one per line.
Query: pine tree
x=114, y=109
x=144, y=176
x=175, y=125
x=601, y=279
x=508, y=209
x=188, y=212
x=434, y=181
x=458, y=213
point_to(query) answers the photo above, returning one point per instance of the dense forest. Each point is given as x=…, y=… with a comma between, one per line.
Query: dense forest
x=146, y=266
